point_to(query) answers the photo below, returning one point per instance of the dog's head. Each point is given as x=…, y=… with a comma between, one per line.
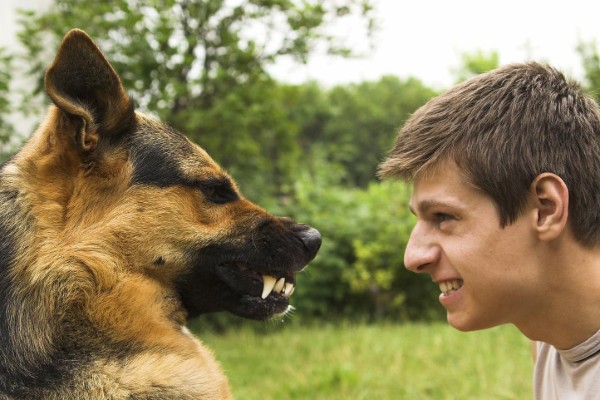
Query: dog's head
x=138, y=195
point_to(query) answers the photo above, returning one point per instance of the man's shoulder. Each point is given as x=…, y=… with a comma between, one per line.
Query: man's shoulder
x=561, y=374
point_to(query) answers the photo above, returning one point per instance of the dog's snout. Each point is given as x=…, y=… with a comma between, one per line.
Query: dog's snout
x=312, y=241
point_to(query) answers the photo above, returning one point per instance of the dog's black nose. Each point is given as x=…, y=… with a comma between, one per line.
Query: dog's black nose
x=312, y=241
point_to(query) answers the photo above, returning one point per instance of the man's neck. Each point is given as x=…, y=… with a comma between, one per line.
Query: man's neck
x=569, y=309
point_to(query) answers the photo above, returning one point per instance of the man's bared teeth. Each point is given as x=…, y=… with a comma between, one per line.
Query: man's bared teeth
x=279, y=285
x=268, y=284
x=443, y=287
x=448, y=287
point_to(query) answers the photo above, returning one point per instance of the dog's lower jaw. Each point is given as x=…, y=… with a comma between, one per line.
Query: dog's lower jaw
x=256, y=308
x=287, y=313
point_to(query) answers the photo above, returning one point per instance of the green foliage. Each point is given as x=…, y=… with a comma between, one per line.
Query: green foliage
x=476, y=63
x=265, y=150
x=588, y=51
x=6, y=128
x=364, y=120
x=384, y=362
x=359, y=271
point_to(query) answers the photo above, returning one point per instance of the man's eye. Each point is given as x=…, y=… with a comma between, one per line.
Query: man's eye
x=442, y=217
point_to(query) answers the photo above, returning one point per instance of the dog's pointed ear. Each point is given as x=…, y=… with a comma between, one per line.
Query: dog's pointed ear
x=83, y=84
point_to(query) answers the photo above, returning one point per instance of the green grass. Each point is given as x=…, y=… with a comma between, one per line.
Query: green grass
x=413, y=361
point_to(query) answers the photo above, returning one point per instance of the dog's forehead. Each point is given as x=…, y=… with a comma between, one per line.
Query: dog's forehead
x=162, y=156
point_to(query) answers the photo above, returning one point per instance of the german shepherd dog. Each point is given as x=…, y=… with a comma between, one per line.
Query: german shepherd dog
x=115, y=230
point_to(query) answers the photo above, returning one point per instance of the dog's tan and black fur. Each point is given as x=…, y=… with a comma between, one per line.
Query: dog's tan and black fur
x=115, y=230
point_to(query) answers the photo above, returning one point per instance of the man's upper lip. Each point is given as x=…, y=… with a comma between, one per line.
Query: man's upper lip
x=442, y=278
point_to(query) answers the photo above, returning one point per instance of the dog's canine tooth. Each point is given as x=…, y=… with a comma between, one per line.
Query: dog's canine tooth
x=279, y=285
x=268, y=284
x=288, y=288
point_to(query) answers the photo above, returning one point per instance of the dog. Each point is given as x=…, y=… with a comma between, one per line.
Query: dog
x=116, y=230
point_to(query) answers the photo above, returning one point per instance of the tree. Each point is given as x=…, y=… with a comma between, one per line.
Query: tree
x=476, y=63
x=588, y=51
x=359, y=271
x=6, y=128
x=201, y=65
x=364, y=122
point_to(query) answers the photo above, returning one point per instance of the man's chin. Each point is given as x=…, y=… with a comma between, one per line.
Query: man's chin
x=465, y=324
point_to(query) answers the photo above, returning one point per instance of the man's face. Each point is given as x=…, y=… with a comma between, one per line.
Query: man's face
x=486, y=273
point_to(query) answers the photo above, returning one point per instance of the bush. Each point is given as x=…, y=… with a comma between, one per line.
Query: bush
x=359, y=272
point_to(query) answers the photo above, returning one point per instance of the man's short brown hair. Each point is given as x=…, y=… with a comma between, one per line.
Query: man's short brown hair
x=504, y=128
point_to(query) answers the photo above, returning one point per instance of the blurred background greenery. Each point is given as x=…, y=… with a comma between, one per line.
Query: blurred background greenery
x=302, y=150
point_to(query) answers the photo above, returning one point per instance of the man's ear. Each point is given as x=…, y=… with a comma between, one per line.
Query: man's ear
x=83, y=84
x=551, y=201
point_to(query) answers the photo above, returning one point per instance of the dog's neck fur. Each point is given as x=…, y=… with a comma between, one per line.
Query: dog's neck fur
x=26, y=328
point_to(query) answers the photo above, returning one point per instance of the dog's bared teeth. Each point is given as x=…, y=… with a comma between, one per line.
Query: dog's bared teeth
x=272, y=284
x=288, y=289
x=268, y=284
x=279, y=285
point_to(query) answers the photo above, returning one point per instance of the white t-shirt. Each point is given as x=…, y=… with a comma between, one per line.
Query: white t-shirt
x=571, y=374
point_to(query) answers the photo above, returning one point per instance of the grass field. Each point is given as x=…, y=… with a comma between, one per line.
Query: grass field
x=413, y=361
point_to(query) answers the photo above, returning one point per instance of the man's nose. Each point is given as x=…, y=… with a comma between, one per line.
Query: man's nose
x=420, y=252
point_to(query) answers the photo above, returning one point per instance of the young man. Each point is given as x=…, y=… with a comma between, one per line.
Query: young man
x=506, y=176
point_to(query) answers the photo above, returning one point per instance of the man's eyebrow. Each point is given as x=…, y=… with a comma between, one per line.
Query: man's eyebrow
x=424, y=206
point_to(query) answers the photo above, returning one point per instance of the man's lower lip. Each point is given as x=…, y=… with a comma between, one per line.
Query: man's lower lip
x=446, y=299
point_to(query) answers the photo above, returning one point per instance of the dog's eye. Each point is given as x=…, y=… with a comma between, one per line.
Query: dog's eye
x=218, y=191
